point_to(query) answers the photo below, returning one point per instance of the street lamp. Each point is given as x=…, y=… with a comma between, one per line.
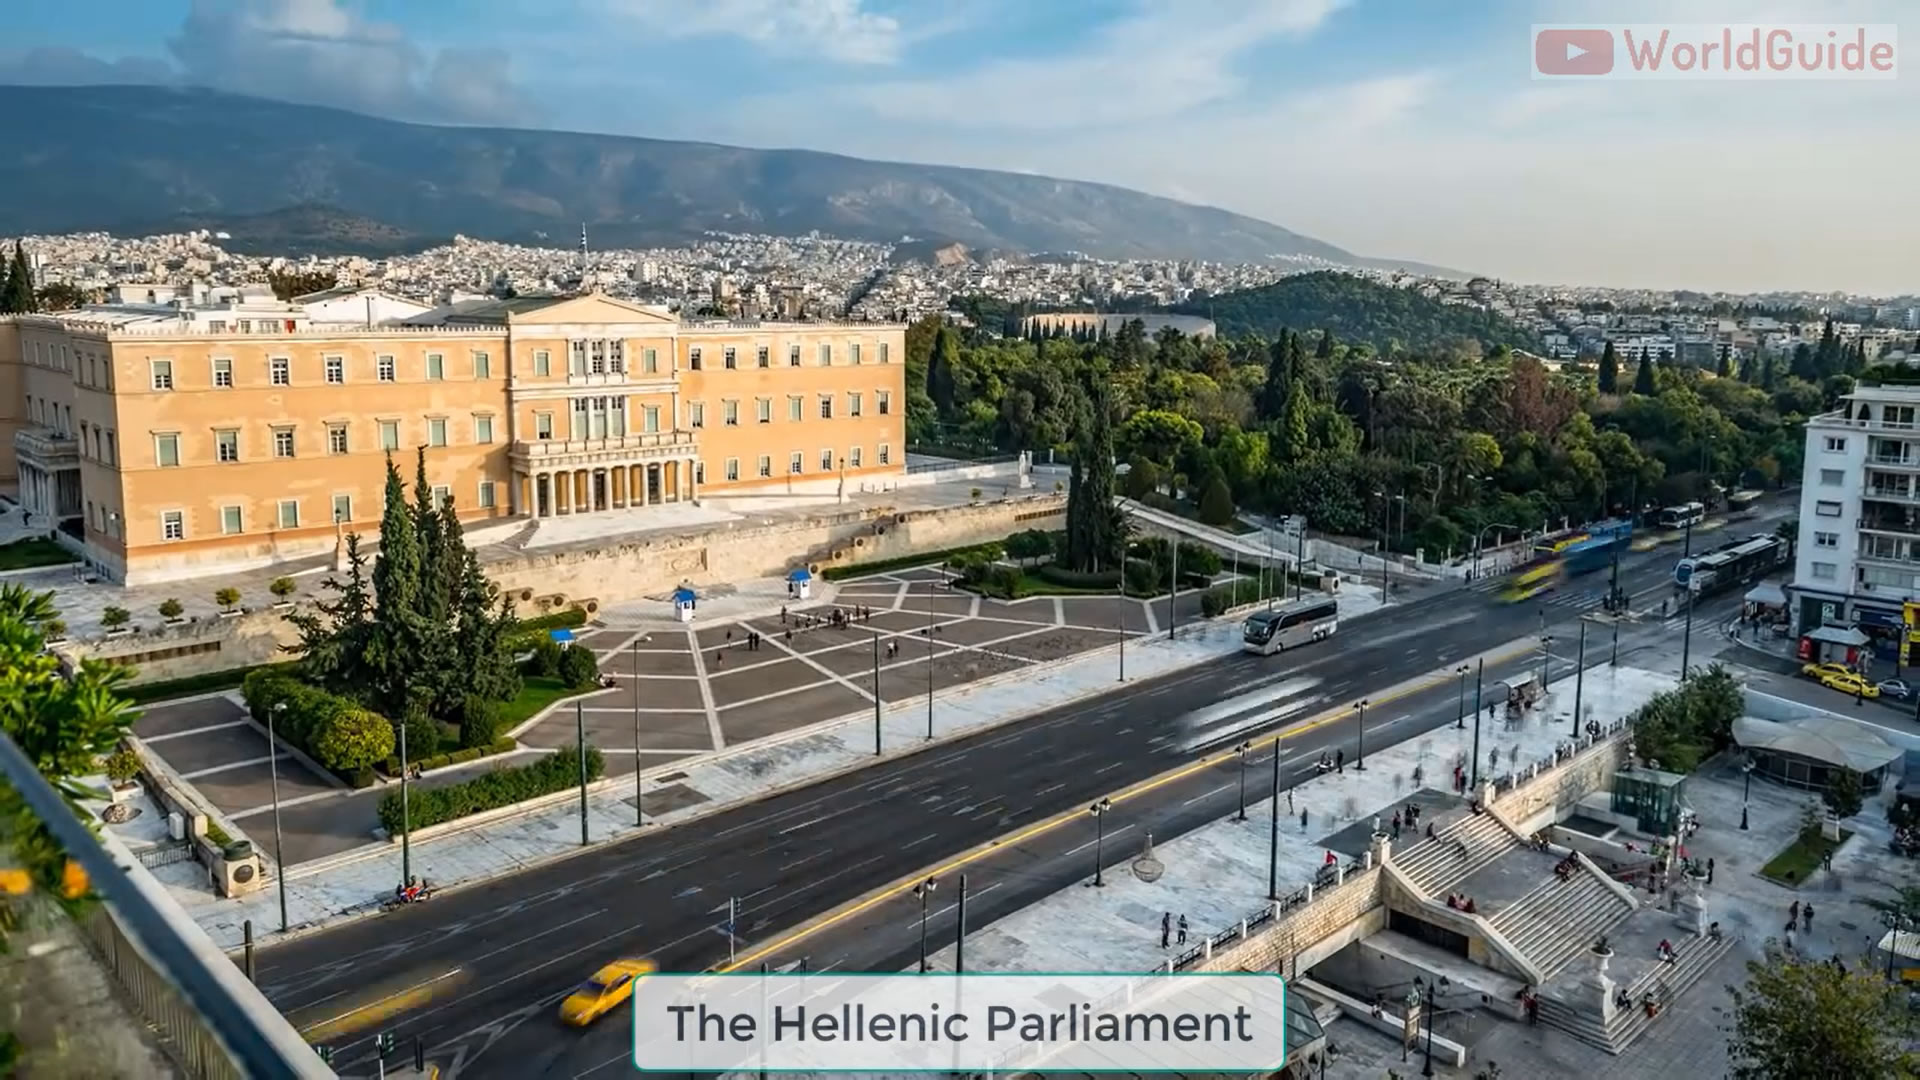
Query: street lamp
x=273, y=763
x=639, y=810
x=1746, y=788
x=1460, y=703
x=924, y=890
x=1360, y=732
x=1099, y=811
x=1434, y=990
x=1480, y=538
x=406, y=814
x=1241, y=753
x=1386, y=525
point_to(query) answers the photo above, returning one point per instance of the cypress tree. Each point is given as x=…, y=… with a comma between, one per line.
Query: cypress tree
x=1273, y=395
x=1325, y=349
x=1643, y=378
x=396, y=642
x=16, y=297
x=1609, y=370
x=1725, y=369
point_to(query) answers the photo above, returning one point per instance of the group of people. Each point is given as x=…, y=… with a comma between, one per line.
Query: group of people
x=838, y=618
x=1462, y=902
x=1335, y=762
x=1167, y=929
x=1566, y=868
x=1666, y=952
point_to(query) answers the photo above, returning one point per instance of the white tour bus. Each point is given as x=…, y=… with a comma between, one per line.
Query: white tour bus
x=1268, y=632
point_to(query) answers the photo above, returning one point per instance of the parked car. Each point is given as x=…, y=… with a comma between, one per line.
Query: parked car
x=1897, y=689
x=1848, y=681
x=1818, y=672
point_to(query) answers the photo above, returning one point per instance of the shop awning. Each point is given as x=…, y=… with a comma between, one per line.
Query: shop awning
x=1839, y=635
x=1767, y=594
x=1817, y=738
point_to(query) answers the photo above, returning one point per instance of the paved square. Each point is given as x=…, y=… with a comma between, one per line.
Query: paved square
x=215, y=746
x=759, y=719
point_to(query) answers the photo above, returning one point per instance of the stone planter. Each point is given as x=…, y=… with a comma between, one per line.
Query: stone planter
x=283, y=606
x=119, y=631
x=231, y=614
x=123, y=792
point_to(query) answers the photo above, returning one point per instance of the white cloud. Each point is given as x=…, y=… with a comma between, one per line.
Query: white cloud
x=834, y=29
x=1171, y=56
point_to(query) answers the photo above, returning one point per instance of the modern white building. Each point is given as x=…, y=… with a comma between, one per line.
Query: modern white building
x=1858, y=558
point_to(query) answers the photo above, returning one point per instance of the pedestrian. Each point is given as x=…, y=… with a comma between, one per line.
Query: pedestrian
x=1303, y=817
x=1793, y=913
x=1396, y=822
x=1709, y=871
x=1183, y=929
x=1166, y=928
x=1289, y=800
x=1789, y=937
x=1826, y=861
x=783, y=614
x=1340, y=762
x=1806, y=918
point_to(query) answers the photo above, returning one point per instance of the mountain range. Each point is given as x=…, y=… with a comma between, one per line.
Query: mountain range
x=292, y=178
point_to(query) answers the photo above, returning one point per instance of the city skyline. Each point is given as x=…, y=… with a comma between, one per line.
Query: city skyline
x=1404, y=134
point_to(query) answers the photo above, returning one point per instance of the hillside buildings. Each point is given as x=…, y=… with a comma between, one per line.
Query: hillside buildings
x=222, y=430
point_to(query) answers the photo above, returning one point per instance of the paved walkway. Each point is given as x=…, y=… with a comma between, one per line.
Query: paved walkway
x=354, y=882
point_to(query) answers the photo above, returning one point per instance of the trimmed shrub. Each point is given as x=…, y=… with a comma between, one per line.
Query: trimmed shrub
x=461, y=757
x=171, y=608
x=545, y=661
x=122, y=765
x=490, y=791
x=282, y=587
x=310, y=714
x=1029, y=545
x=352, y=739
x=226, y=597
x=578, y=668
x=479, y=721
x=113, y=618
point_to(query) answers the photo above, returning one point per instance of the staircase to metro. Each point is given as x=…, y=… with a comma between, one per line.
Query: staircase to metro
x=1455, y=853
x=1697, y=957
x=1559, y=920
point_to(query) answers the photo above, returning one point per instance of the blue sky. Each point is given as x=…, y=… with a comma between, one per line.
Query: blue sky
x=1409, y=128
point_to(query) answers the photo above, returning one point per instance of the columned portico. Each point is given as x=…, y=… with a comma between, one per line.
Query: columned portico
x=49, y=467
x=615, y=473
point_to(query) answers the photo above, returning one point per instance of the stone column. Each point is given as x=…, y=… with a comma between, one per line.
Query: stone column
x=617, y=486
x=692, y=493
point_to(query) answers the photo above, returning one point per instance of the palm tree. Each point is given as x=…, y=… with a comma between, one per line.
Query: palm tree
x=29, y=607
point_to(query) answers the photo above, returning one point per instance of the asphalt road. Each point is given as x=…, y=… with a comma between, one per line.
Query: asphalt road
x=476, y=972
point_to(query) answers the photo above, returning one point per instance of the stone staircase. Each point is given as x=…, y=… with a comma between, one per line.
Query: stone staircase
x=1456, y=853
x=1559, y=920
x=1697, y=957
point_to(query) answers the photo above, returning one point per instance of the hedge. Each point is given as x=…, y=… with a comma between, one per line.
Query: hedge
x=205, y=682
x=1075, y=579
x=490, y=791
x=992, y=550
x=456, y=757
x=528, y=632
x=312, y=720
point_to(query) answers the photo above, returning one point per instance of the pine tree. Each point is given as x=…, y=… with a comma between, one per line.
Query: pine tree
x=1325, y=349
x=16, y=296
x=1725, y=370
x=1273, y=395
x=1095, y=526
x=334, y=634
x=1769, y=372
x=1803, y=365
x=398, y=639
x=940, y=366
x=1643, y=382
x=1609, y=370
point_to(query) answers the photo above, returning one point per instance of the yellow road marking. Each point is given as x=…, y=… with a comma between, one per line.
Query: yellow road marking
x=372, y=1013
x=1141, y=788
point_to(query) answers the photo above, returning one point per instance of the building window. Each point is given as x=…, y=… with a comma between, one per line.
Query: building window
x=650, y=419
x=762, y=356
x=173, y=525
x=693, y=359
x=1826, y=540
x=795, y=462
x=336, y=370
x=289, y=513
x=763, y=410
x=383, y=368
x=483, y=430
x=283, y=442
x=1826, y=508
x=576, y=358
x=436, y=366
x=542, y=362
x=1823, y=571
x=482, y=366
x=336, y=438
x=733, y=468
x=389, y=434
x=441, y=495
x=883, y=353
x=617, y=357
x=1836, y=444
x=853, y=354
x=697, y=414
x=826, y=356
x=596, y=358
x=223, y=372
x=764, y=466
x=162, y=373
x=826, y=461
x=343, y=508
x=853, y=457
x=111, y=455
x=730, y=411
x=280, y=371
x=795, y=407
x=853, y=404
x=543, y=425
x=727, y=358
x=436, y=431
x=486, y=495
x=230, y=521
x=616, y=416
x=699, y=472
x=166, y=450
x=1832, y=477
x=650, y=361
x=886, y=454
x=226, y=445
x=826, y=406
x=793, y=356
x=883, y=399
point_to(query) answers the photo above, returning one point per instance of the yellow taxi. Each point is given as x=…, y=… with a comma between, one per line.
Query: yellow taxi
x=1848, y=681
x=606, y=990
x=1818, y=672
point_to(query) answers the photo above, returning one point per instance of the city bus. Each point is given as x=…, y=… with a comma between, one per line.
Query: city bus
x=1298, y=623
x=1679, y=517
x=1541, y=575
x=1735, y=562
x=1559, y=544
x=1742, y=504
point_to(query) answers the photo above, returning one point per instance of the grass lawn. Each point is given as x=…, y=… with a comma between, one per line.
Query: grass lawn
x=1801, y=858
x=34, y=551
x=536, y=693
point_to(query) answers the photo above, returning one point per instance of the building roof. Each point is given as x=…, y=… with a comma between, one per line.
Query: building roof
x=1839, y=635
x=1828, y=740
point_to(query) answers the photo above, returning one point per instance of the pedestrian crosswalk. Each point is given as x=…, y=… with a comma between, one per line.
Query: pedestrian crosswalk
x=1572, y=599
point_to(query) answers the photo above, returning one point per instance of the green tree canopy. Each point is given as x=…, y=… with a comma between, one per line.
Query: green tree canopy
x=1812, y=1020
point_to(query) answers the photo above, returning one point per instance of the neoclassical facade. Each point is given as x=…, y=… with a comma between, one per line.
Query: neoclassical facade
x=176, y=447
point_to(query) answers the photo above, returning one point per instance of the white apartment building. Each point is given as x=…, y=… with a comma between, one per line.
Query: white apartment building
x=1857, y=562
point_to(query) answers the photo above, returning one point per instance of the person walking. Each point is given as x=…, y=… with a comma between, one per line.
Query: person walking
x=1183, y=929
x=1166, y=928
x=1793, y=913
x=1806, y=918
x=1709, y=871
x=1303, y=816
x=1340, y=762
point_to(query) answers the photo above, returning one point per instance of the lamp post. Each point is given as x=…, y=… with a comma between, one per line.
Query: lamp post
x=1480, y=538
x=943, y=581
x=1579, y=678
x=1613, y=660
x=1241, y=752
x=406, y=816
x=960, y=930
x=1386, y=524
x=1099, y=811
x=1479, y=681
x=1434, y=989
x=1546, y=660
x=876, y=693
x=273, y=763
x=1273, y=831
x=1460, y=702
x=1746, y=788
x=1173, y=594
x=1360, y=735
x=580, y=747
x=924, y=891
x=1120, y=590
x=639, y=811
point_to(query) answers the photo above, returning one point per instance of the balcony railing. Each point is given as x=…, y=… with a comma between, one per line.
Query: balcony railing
x=47, y=448
x=647, y=444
